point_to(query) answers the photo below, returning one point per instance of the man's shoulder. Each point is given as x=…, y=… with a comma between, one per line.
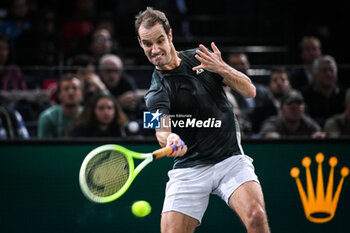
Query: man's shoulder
x=189, y=52
x=273, y=122
x=50, y=112
x=156, y=79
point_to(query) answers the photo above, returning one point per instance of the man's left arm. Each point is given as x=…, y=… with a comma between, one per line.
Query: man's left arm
x=213, y=62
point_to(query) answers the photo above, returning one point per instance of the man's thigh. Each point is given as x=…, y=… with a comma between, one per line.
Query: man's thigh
x=173, y=222
x=188, y=190
x=247, y=197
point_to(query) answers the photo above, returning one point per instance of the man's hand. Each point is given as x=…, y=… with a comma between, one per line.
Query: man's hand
x=94, y=81
x=210, y=61
x=128, y=100
x=174, y=139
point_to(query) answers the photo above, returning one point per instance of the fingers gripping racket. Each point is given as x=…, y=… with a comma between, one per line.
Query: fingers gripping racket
x=108, y=171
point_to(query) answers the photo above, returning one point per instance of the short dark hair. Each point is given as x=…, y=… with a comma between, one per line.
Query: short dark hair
x=311, y=38
x=67, y=77
x=150, y=17
x=278, y=70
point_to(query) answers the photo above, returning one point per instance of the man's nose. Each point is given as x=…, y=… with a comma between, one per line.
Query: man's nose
x=155, y=49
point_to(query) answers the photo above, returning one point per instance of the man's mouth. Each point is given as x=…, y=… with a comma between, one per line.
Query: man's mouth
x=157, y=56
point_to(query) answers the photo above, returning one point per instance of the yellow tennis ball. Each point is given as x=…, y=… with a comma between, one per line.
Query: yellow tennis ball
x=141, y=208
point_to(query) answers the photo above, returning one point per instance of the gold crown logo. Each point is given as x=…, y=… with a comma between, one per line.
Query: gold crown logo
x=319, y=207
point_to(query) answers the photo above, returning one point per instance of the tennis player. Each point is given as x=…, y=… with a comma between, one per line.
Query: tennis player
x=190, y=83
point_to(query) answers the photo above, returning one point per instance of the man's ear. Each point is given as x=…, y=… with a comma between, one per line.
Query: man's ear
x=171, y=35
x=140, y=43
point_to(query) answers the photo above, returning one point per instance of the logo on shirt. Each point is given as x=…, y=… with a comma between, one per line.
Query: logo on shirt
x=199, y=71
x=151, y=120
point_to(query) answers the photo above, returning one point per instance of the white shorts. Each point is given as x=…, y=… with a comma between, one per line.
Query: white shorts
x=188, y=189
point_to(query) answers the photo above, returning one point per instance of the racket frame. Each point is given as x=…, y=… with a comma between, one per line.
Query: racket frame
x=133, y=172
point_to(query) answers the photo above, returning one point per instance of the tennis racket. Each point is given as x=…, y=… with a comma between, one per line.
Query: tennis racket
x=108, y=171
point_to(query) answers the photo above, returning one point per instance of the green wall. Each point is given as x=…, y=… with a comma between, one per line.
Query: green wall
x=39, y=190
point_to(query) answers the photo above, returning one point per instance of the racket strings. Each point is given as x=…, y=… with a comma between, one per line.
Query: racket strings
x=107, y=173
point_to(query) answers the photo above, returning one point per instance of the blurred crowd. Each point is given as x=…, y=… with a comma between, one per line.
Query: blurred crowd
x=65, y=75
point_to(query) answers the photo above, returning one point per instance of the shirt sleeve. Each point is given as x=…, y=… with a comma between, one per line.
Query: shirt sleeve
x=158, y=100
x=157, y=97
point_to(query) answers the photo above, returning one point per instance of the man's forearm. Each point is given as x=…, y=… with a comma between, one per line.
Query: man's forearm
x=238, y=81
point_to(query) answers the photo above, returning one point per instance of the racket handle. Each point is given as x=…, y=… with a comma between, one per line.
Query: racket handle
x=163, y=152
x=166, y=150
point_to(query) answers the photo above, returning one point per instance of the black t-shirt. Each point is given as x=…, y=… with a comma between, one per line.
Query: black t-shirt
x=192, y=97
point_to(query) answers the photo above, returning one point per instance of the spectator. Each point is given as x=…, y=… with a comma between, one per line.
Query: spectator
x=240, y=62
x=311, y=49
x=12, y=125
x=100, y=44
x=53, y=122
x=102, y=117
x=254, y=108
x=292, y=122
x=278, y=85
x=84, y=68
x=339, y=125
x=119, y=84
x=11, y=76
x=269, y=104
x=324, y=98
x=105, y=20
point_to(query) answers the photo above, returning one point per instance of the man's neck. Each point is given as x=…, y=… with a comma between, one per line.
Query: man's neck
x=70, y=110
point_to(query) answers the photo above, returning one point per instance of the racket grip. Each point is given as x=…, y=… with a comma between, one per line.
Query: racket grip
x=166, y=150
x=163, y=152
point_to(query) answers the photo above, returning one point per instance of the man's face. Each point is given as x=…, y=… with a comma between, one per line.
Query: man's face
x=156, y=45
x=310, y=51
x=326, y=76
x=279, y=83
x=239, y=62
x=110, y=73
x=102, y=43
x=293, y=111
x=70, y=92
